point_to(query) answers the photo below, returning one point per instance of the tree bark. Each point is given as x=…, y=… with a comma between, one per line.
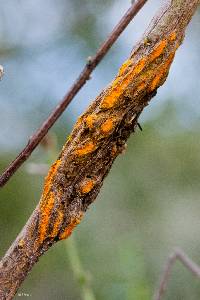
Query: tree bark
x=98, y=137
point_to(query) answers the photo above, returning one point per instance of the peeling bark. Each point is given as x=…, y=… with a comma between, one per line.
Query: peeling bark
x=98, y=137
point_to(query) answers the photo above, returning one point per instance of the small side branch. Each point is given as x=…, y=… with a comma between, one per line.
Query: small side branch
x=78, y=84
x=178, y=254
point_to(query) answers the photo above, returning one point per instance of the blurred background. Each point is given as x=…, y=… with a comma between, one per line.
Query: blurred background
x=150, y=201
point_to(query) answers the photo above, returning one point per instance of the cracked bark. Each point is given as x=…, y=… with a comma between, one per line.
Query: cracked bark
x=98, y=137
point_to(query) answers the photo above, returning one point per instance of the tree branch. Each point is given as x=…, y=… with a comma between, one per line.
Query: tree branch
x=98, y=137
x=81, y=80
x=178, y=254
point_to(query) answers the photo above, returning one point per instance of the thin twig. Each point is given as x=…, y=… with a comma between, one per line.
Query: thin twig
x=81, y=80
x=178, y=254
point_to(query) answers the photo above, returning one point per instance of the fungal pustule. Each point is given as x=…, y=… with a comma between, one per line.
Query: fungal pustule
x=21, y=243
x=158, y=50
x=90, y=120
x=49, y=178
x=173, y=36
x=107, y=126
x=86, y=148
x=121, y=82
x=68, y=230
x=161, y=72
x=87, y=185
x=45, y=215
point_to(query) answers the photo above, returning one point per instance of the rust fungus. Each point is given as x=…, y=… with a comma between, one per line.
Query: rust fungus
x=45, y=213
x=173, y=36
x=111, y=99
x=86, y=149
x=107, y=126
x=139, y=66
x=68, y=230
x=144, y=78
x=90, y=120
x=49, y=178
x=161, y=73
x=155, y=82
x=119, y=85
x=21, y=243
x=158, y=50
x=86, y=186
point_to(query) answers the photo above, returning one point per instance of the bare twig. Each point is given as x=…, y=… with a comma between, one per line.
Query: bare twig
x=81, y=80
x=178, y=254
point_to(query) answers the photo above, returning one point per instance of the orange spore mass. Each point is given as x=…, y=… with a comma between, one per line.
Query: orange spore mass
x=47, y=200
x=173, y=36
x=144, y=76
x=68, y=230
x=48, y=179
x=45, y=211
x=158, y=50
x=87, y=186
x=86, y=149
x=107, y=126
x=161, y=72
x=119, y=85
x=90, y=119
x=57, y=223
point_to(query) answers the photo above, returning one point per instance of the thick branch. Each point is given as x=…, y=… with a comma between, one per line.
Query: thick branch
x=75, y=88
x=98, y=137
